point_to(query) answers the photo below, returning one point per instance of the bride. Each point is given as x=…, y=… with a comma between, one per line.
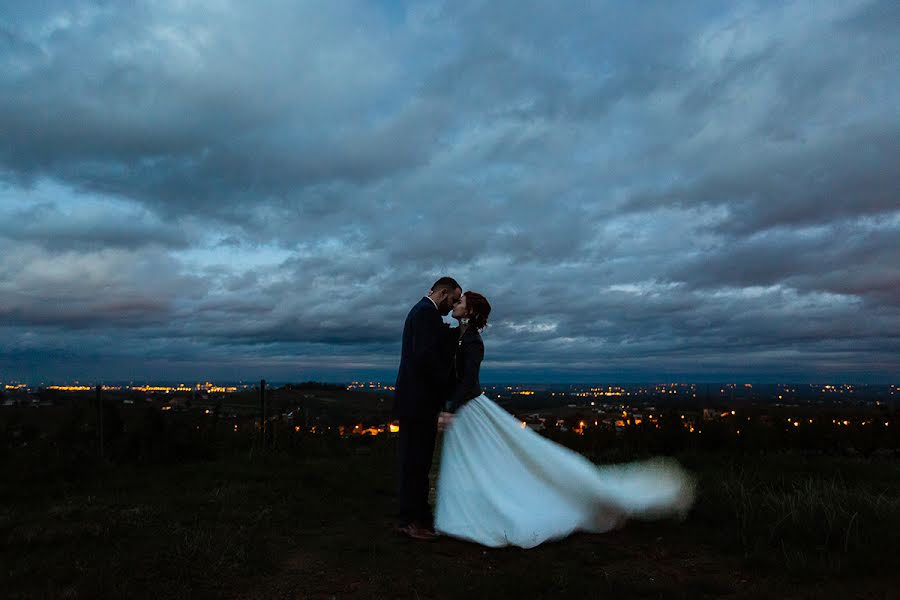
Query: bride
x=502, y=484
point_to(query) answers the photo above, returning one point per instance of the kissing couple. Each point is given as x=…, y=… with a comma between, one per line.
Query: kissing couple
x=499, y=482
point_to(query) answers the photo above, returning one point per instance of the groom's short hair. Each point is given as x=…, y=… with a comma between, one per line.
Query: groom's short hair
x=445, y=283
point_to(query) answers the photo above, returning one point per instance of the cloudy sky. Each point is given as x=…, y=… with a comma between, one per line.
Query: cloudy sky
x=662, y=191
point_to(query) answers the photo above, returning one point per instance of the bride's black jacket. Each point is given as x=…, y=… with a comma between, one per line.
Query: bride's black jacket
x=469, y=355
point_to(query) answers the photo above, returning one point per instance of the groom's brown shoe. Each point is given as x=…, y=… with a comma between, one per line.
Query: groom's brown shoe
x=417, y=533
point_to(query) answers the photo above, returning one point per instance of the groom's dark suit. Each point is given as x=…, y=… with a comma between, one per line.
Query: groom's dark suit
x=423, y=385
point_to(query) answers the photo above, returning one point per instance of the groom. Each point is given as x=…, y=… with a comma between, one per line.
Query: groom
x=423, y=384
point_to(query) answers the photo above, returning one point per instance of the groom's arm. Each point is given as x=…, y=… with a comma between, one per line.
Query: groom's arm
x=430, y=347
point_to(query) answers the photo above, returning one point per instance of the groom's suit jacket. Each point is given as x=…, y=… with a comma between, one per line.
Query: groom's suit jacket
x=426, y=359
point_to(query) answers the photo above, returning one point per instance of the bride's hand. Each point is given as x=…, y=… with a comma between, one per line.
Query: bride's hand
x=444, y=420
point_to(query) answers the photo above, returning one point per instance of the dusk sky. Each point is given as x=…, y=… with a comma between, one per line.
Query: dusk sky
x=651, y=191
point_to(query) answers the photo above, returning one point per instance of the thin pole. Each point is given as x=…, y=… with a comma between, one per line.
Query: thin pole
x=100, y=421
x=262, y=409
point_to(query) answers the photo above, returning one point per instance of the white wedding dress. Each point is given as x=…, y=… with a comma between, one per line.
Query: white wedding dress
x=502, y=484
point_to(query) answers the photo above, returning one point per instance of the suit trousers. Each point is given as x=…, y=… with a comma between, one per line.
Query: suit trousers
x=417, y=440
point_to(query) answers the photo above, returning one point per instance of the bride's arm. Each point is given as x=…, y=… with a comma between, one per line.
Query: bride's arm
x=470, y=367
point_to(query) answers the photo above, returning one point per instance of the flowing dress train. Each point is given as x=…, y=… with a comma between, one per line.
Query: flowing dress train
x=501, y=484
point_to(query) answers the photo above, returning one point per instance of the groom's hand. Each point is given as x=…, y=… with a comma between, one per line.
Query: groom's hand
x=444, y=420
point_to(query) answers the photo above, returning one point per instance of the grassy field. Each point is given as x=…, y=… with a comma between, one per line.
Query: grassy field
x=319, y=525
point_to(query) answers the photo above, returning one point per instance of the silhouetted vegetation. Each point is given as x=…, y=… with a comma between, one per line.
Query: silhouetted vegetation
x=315, y=386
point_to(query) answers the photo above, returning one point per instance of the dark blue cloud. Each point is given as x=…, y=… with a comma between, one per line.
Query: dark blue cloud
x=657, y=191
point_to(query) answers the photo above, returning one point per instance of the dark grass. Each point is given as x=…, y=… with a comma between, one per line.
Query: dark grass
x=320, y=526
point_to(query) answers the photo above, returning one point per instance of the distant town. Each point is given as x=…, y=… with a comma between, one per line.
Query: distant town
x=363, y=407
x=768, y=393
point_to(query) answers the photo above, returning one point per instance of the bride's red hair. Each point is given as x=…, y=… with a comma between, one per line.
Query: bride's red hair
x=478, y=308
